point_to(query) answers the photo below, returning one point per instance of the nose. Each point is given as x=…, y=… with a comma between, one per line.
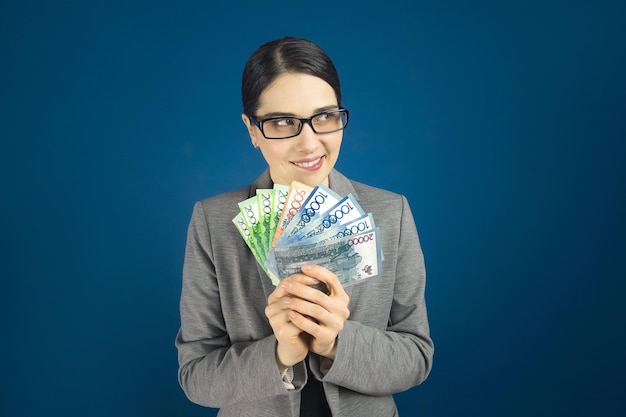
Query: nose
x=307, y=140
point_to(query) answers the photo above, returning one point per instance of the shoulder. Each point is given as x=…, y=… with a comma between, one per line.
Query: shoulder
x=389, y=209
x=220, y=208
x=228, y=201
x=378, y=197
x=225, y=199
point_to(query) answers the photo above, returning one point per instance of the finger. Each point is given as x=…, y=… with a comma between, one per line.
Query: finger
x=319, y=332
x=307, y=300
x=286, y=284
x=307, y=294
x=325, y=276
x=280, y=322
x=304, y=323
x=335, y=302
x=328, y=314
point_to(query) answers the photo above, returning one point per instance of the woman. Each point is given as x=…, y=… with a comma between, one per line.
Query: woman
x=254, y=349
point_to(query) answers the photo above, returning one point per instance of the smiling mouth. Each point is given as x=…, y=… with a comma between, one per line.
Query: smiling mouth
x=309, y=164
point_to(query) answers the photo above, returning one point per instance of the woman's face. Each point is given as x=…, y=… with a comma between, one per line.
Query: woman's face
x=309, y=157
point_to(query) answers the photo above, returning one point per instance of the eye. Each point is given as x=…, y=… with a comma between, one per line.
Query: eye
x=283, y=122
x=322, y=118
x=326, y=117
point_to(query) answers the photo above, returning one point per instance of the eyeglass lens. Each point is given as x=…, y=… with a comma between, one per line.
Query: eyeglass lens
x=284, y=127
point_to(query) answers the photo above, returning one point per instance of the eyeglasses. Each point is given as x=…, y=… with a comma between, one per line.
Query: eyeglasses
x=283, y=127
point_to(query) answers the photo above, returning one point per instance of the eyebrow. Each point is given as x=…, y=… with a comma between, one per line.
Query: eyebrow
x=286, y=114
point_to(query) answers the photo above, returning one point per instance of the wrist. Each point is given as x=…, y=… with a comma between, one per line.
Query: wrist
x=331, y=352
x=284, y=361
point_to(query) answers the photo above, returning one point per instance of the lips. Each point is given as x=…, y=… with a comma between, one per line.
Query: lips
x=311, y=164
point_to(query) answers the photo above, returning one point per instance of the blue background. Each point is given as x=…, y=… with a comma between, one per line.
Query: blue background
x=502, y=122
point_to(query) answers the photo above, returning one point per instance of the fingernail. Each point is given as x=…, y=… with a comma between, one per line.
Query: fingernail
x=286, y=285
x=287, y=301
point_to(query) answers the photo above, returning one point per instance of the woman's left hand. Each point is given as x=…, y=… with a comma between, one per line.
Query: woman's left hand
x=319, y=314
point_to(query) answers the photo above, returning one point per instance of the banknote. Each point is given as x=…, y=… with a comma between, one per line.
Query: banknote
x=280, y=198
x=265, y=201
x=298, y=193
x=346, y=210
x=244, y=231
x=287, y=226
x=319, y=200
x=251, y=214
x=352, y=258
x=246, y=234
x=356, y=226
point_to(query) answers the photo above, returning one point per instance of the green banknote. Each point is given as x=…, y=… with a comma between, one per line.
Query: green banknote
x=265, y=200
x=278, y=203
x=249, y=209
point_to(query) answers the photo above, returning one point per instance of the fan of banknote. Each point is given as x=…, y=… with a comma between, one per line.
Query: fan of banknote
x=288, y=226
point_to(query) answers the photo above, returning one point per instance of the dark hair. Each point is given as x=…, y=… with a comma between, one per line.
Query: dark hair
x=285, y=55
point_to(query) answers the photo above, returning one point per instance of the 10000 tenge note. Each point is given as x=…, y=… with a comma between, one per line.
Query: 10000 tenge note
x=352, y=258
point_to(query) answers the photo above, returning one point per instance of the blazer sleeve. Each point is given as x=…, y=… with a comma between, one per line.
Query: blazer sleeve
x=213, y=371
x=385, y=361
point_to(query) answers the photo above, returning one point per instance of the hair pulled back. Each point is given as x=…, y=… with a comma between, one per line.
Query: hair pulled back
x=284, y=55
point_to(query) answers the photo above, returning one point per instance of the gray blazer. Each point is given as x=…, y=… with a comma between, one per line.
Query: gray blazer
x=226, y=347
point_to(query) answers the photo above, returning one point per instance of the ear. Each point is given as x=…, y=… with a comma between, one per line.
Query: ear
x=252, y=130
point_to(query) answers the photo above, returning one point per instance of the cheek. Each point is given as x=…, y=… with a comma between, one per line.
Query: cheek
x=274, y=152
x=335, y=144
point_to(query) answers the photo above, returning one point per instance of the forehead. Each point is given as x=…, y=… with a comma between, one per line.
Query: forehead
x=297, y=94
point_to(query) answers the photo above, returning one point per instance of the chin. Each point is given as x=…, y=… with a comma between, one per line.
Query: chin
x=313, y=180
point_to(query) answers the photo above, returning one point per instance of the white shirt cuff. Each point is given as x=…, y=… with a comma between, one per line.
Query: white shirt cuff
x=287, y=377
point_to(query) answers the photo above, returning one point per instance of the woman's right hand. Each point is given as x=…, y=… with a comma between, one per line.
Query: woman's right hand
x=293, y=343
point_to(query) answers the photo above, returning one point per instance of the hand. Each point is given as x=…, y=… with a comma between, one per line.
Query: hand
x=293, y=343
x=319, y=314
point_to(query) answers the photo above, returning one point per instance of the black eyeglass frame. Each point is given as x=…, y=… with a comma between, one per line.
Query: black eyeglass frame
x=259, y=123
